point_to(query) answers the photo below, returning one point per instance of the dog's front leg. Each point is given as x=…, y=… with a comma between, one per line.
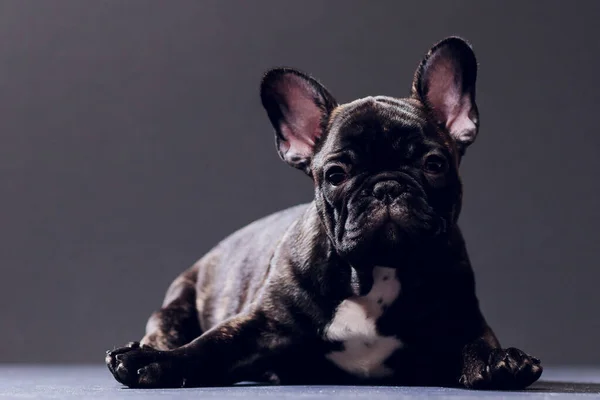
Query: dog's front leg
x=486, y=365
x=218, y=357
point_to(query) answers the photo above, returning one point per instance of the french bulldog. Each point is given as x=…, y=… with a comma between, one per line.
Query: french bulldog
x=370, y=283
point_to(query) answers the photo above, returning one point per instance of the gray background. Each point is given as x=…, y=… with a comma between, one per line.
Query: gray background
x=132, y=139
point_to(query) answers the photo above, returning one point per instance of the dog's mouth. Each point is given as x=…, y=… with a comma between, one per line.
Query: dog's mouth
x=388, y=230
x=401, y=216
x=391, y=213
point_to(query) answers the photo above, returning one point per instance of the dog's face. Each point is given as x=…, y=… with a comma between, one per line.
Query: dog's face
x=385, y=169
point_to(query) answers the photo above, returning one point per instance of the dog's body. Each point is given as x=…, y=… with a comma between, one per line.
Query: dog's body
x=369, y=283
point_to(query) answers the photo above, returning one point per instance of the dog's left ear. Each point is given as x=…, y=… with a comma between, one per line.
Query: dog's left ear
x=445, y=83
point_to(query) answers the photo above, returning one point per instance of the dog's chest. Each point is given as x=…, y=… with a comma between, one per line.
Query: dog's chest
x=355, y=325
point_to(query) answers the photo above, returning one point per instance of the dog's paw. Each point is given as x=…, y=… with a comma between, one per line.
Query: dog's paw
x=141, y=366
x=505, y=369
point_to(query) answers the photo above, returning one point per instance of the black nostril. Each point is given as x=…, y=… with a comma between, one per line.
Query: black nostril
x=390, y=189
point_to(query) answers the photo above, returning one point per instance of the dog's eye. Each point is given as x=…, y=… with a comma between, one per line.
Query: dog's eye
x=435, y=164
x=335, y=175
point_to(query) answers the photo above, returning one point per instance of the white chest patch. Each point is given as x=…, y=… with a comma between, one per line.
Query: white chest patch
x=354, y=324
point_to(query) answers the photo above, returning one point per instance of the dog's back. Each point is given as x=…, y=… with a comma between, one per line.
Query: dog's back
x=231, y=274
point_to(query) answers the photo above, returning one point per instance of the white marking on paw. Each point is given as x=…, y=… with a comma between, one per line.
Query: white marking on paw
x=354, y=324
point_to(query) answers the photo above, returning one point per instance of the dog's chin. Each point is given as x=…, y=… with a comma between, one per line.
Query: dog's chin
x=385, y=247
x=388, y=238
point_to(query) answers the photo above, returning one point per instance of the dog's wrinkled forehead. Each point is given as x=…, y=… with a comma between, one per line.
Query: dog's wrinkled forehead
x=386, y=122
x=387, y=110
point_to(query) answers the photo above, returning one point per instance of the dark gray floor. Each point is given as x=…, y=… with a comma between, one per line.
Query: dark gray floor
x=82, y=382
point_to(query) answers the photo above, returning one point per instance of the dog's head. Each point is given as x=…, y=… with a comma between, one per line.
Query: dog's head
x=385, y=169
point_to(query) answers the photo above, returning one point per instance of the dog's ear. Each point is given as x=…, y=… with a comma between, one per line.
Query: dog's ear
x=299, y=108
x=445, y=83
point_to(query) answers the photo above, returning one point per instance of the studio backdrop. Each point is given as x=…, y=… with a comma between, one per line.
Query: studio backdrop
x=132, y=139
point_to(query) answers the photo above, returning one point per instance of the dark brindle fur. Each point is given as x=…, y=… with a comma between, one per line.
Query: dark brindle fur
x=263, y=305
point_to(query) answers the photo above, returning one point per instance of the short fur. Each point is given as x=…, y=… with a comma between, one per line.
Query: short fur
x=368, y=284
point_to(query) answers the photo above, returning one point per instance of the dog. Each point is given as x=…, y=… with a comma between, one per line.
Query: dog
x=370, y=283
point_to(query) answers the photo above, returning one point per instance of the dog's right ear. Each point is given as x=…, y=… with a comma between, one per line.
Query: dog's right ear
x=299, y=108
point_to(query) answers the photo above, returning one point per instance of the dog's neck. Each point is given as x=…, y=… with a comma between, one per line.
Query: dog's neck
x=321, y=258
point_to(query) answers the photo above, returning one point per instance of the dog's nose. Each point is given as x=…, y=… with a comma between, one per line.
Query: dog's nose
x=387, y=189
